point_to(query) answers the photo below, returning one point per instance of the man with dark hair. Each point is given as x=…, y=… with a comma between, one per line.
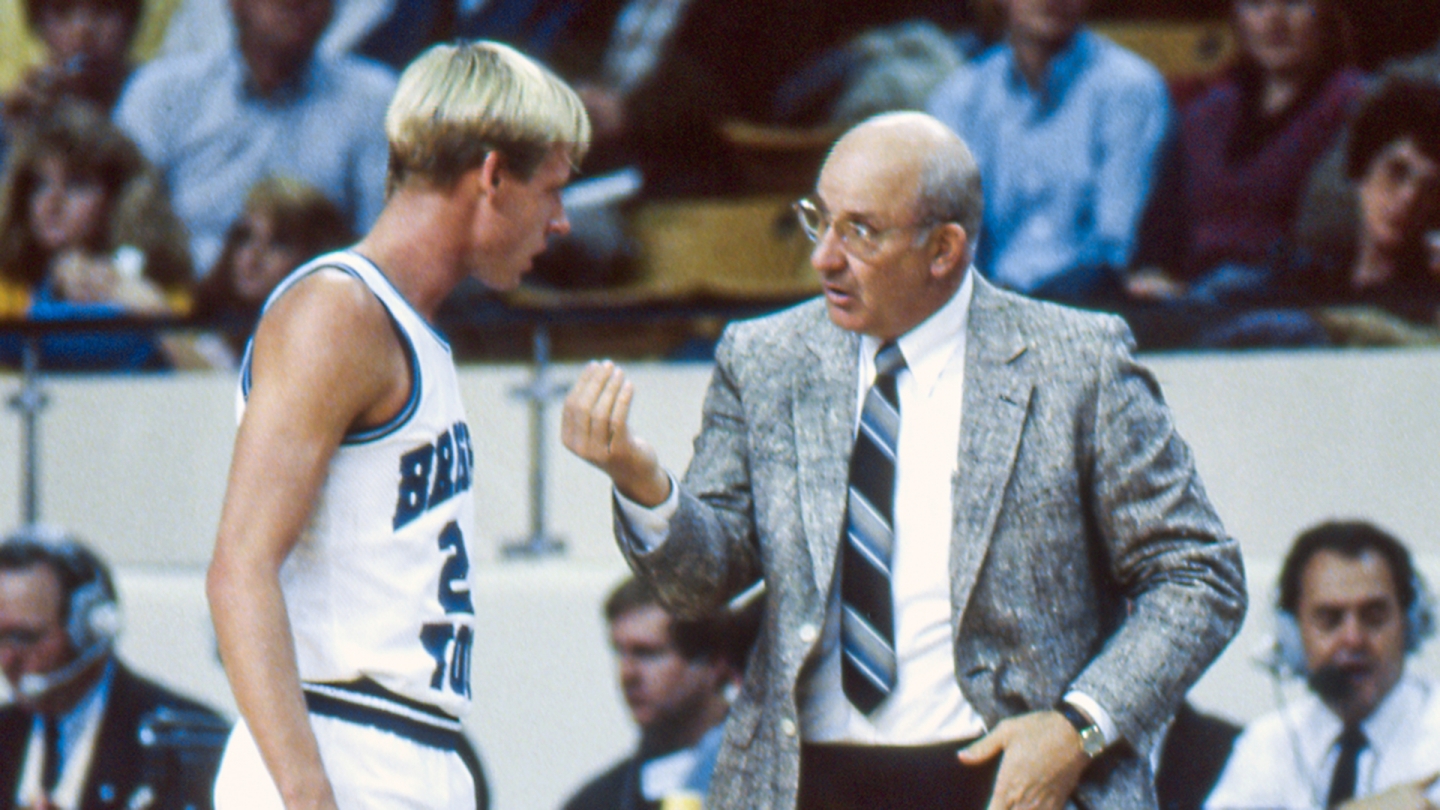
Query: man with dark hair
x=87, y=45
x=216, y=122
x=1067, y=127
x=1350, y=608
x=73, y=737
x=677, y=676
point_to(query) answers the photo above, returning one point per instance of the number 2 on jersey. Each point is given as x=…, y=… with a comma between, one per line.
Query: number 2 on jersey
x=449, y=644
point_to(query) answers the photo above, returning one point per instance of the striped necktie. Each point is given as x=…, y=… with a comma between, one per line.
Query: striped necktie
x=867, y=625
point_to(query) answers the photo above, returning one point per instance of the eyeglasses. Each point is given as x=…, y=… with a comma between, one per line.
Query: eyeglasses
x=858, y=239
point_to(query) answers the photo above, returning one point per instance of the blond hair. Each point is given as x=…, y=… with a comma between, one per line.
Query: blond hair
x=458, y=102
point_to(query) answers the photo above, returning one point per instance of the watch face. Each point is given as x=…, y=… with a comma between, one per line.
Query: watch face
x=1092, y=741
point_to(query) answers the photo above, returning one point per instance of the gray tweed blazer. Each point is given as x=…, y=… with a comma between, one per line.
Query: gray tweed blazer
x=1085, y=554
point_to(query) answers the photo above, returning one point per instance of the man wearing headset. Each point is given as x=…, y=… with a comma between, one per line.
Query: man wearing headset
x=1367, y=733
x=72, y=738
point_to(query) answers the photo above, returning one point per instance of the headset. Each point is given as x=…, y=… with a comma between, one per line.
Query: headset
x=93, y=619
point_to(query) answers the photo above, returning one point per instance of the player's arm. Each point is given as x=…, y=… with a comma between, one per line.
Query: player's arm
x=325, y=359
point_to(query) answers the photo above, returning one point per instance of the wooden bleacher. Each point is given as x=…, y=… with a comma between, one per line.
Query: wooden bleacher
x=1179, y=49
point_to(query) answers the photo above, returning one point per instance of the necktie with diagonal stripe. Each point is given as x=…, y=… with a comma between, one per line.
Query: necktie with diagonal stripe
x=867, y=624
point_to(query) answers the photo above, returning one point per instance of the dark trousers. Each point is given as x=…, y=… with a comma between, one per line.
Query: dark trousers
x=863, y=777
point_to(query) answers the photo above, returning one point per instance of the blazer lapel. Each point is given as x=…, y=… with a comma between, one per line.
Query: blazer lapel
x=824, y=420
x=996, y=400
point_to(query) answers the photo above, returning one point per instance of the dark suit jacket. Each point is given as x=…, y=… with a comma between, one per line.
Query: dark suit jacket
x=1196, y=748
x=1084, y=553
x=119, y=765
x=616, y=789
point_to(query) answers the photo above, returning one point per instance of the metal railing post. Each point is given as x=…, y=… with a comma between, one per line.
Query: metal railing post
x=29, y=401
x=538, y=393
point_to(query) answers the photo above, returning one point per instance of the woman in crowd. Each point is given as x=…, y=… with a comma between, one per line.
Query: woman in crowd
x=285, y=222
x=1246, y=146
x=1389, y=290
x=1386, y=292
x=86, y=231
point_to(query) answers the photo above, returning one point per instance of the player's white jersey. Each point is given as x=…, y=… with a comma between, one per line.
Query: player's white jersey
x=379, y=585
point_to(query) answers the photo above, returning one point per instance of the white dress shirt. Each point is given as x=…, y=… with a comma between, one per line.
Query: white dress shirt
x=926, y=705
x=1285, y=759
x=78, y=730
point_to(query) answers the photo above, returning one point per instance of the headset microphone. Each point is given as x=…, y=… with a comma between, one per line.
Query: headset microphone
x=92, y=614
x=34, y=686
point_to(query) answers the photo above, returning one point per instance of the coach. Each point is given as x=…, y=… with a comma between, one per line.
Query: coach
x=975, y=521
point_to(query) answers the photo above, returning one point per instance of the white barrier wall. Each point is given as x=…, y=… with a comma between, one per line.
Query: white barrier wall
x=137, y=465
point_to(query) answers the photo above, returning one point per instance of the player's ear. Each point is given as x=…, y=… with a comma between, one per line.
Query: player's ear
x=491, y=170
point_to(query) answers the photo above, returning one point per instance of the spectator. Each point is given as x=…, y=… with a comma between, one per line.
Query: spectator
x=1393, y=160
x=285, y=223
x=1247, y=145
x=86, y=231
x=1351, y=608
x=86, y=54
x=1065, y=126
x=217, y=122
x=676, y=677
x=205, y=25
x=884, y=69
x=1191, y=755
x=530, y=25
x=660, y=77
x=72, y=738
x=1384, y=293
x=1325, y=229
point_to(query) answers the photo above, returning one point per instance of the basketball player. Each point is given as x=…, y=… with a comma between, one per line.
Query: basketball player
x=340, y=583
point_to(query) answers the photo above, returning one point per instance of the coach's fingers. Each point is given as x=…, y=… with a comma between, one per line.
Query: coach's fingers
x=578, y=428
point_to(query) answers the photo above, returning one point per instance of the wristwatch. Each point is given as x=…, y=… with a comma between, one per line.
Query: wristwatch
x=1092, y=739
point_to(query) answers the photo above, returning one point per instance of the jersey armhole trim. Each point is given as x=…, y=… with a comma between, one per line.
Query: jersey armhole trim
x=412, y=404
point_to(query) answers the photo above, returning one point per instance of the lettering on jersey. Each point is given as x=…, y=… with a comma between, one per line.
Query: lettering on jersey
x=450, y=647
x=449, y=644
x=432, y=473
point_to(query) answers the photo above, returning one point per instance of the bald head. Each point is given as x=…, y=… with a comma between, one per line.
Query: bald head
x=896, y=201
x=916, y=155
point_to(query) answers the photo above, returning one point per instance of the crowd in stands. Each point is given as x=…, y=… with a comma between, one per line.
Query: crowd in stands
x=1284, y=199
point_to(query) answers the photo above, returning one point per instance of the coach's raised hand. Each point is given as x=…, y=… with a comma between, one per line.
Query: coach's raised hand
x=595, y=427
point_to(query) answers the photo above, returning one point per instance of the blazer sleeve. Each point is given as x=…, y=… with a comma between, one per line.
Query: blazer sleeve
x=710, y=553
x=1180, y=575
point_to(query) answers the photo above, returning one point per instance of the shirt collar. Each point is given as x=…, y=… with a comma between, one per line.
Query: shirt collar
x=301, y=85
x=1384, y=726
x=71, y=723
x=1064, y=68
x=928, y=347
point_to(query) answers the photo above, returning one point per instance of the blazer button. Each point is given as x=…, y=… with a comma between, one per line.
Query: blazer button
x=808, y=633
x=787, y=726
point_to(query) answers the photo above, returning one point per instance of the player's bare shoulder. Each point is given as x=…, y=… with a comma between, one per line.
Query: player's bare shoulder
x=329, y=337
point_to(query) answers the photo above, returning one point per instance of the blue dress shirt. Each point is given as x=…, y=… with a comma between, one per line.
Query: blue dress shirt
x=198, y=119
x=1067, y=166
